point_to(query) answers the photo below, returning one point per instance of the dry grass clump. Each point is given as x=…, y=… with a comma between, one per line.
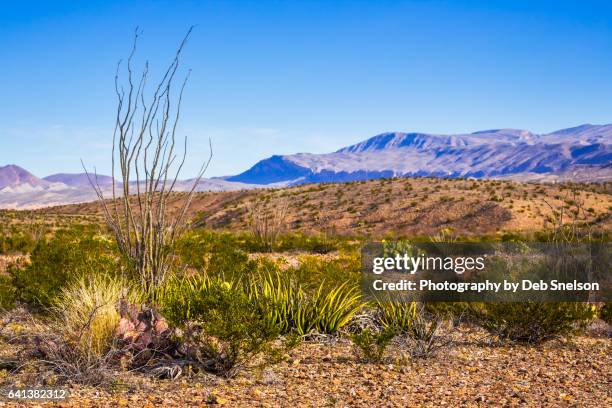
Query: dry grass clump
x=78, y=343
x=87, y=311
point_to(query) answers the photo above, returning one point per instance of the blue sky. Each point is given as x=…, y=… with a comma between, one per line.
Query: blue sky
x=280, y=77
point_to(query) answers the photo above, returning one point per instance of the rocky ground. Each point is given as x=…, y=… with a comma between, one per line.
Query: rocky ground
x=470, y=372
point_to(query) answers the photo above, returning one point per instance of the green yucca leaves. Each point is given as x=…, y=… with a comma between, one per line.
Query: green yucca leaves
x=280, y=300
x=334, y=309
x=289, y=307
x=398, y=316
x=277, y=299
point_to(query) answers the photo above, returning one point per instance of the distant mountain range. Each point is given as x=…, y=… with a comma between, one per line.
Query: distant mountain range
x=582, y=153
x=20, y=189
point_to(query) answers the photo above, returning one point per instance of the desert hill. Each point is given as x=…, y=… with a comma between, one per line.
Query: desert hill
x=407, y=206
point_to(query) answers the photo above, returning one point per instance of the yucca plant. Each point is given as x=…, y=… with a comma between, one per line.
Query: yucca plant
x=278, y=298
x=333, y=309
x=408, y=319
x=398, y=316
x=289, y=307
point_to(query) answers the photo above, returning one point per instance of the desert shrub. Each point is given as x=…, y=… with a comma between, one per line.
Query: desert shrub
x=63, y=259
x=220, y=321
x=216, y=254
x=68, y=363
x=532, y=322
x=372, y=345
x=16, y=242
x=605, y=313
x=320, y=244
x=8, y=293
x=456, y=311
x=314, y=270
x=193, y=245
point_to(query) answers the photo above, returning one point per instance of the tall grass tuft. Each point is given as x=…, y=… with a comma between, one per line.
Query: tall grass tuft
x=78, y=342
x=87, y=311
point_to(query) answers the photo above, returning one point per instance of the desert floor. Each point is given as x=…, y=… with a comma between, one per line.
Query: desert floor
x=471, y=371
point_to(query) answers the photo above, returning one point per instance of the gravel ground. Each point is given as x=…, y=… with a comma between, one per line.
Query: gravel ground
x=468, y=373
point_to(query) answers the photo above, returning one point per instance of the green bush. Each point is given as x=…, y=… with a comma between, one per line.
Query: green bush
x=372, y=345
x=216, y=254
x=57, y=262
x=16, y=242
x=314, y=271
x=7, y=292
x=198, y=242
x=456, y=311
x=532, y=322
x=231, y=332
x=605, y=313
x=320, y=244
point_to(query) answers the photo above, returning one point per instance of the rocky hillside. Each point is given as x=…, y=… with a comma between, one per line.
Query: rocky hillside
x=410, y=206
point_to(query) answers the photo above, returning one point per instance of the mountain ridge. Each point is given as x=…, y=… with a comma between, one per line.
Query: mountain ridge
x=580, y=153
x=481, y=154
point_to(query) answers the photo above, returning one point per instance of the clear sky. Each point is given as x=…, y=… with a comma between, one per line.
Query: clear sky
x=280, y=77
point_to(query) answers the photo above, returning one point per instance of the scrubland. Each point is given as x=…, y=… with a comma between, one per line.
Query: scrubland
x=252, y=317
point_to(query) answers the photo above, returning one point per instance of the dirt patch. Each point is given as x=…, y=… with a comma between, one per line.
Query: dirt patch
x=8, y=260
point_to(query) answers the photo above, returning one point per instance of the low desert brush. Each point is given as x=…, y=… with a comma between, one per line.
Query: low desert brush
x=605, y=313
x=372, y=345
x=223, y=328
x=59, y=262
x=532, y=322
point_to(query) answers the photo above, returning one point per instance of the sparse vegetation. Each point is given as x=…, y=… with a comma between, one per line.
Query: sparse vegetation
x=57, y=262
x=220, y=321
x=236, y=303
x=532, y=322
x=372, y=345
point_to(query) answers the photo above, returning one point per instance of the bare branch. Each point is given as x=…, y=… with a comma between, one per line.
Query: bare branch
x=144, y=150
